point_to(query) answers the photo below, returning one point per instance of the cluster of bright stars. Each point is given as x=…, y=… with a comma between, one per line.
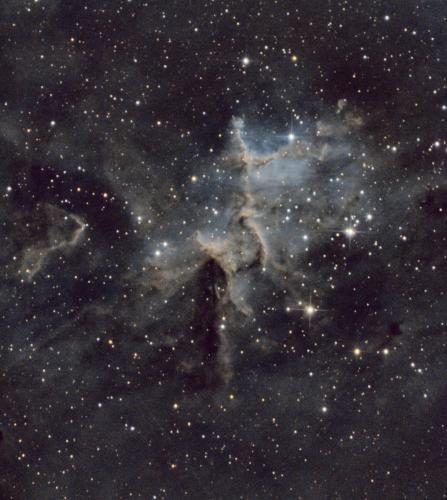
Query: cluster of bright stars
x=358, y=352
x=157, y=252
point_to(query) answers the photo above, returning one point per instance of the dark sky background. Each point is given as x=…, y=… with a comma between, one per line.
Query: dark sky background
x=223, y=249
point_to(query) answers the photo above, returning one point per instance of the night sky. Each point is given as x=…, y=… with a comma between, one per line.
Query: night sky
x=223, y=249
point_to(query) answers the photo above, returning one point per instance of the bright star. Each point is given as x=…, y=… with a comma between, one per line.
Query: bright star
x=350, y=232
x=310, y=310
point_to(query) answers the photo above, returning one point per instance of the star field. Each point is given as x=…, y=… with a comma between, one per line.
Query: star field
x=223, y=249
